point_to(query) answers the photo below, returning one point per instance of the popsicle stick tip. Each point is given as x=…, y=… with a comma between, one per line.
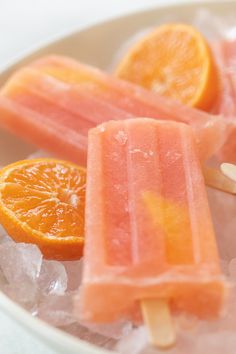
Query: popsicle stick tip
x=222, y=179
x=229, y=170
x=157, y=318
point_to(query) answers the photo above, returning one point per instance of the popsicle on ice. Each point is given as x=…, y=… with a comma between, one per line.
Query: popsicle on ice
x=210, y=130
x=149, y=233
x=52, y=115
x=76, y=108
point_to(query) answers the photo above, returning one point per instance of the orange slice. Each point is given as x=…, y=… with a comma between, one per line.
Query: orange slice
x=175, y=61
x=42, y=202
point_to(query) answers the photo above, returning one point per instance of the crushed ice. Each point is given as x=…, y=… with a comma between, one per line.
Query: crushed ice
x=46, y=288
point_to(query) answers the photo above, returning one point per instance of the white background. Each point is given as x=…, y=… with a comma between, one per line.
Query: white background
x=26, y=23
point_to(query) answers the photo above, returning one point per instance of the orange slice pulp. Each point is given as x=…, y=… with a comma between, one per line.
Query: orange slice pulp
x=175, y=61
x=42, y=202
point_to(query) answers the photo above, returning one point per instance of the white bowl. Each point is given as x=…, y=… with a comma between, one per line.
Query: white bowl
x=95, y=45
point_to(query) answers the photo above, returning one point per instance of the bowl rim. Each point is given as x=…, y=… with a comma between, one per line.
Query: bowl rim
x=73, y=31
x=53, y=336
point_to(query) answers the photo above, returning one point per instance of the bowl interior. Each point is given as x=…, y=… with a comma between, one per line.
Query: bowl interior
x=98, y=46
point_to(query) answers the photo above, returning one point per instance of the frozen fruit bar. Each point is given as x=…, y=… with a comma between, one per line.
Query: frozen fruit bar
x=209, y=129
x=148, y=227
x=53, y=116
x=75, y=97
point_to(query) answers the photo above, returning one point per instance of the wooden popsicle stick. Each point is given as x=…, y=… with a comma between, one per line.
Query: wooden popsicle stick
x=229, y=170
x=157, y=317
x=220, y=180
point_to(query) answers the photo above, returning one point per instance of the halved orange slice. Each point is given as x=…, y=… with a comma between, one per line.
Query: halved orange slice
x=175, y=61
x=42, y=202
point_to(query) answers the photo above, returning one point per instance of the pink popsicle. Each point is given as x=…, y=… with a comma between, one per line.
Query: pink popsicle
x=148, y=227
x=136, y=100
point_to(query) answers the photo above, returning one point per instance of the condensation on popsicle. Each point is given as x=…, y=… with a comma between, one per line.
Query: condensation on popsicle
x=148, y=227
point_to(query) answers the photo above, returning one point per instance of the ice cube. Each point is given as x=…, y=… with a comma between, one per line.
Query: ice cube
x=210, y=25
x=74, y=273
x=20, y=261
x=52, y=278
x=57, y=309
x=215, y=27
x=114, y=330
x=216, y=343
x=133, y=343
x=83, y=333
x=20, y=264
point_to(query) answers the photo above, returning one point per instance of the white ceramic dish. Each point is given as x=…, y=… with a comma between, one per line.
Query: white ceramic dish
x=95, y=45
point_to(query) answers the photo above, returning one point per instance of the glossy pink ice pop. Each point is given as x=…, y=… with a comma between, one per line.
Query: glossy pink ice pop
x=148, y=227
